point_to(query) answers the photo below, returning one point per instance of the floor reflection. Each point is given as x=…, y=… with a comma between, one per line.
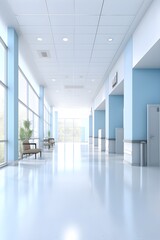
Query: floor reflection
x=77, y=192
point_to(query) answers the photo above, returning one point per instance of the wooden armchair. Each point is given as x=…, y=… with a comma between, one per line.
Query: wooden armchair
x=27, y=150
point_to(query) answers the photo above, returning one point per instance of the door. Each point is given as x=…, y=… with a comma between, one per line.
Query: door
x=153, y=136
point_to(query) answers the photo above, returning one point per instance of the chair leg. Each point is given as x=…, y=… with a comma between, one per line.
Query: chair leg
x=35, y=155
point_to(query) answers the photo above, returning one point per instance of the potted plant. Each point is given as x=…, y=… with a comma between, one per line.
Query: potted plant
x=25, y=132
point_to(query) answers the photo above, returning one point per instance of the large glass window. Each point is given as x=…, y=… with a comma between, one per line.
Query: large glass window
x=3, y=105
x=2, y=112
x=73, y=125
x=46, y=119
x=28, y=107
x=2, y=62
x=33, y=100
x=22, y=91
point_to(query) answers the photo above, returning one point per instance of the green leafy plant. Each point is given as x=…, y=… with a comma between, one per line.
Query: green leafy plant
x=49, y=134
x=25, y=131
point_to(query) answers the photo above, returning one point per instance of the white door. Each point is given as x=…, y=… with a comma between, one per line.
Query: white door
x=153, y=136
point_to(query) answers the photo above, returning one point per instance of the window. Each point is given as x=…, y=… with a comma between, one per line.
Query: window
x=2, y=62
x=33, y=100
x=46, y=119
x=28, y=107
x=22, y=85
x=3, y=108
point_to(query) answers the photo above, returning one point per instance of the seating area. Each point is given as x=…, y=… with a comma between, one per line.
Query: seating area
x=48, y=142
x=27, y=150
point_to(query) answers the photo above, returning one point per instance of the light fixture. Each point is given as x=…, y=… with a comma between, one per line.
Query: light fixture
x=53, y=79
x=92, y=80
x=39, y=39
x=110, y=39
x=65, y=39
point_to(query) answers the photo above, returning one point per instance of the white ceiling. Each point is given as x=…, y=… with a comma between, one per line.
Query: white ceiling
x=85, y=58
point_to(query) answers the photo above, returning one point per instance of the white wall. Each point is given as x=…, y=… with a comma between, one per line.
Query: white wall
x=147, y=32
x=118, y=67
x=100, y=97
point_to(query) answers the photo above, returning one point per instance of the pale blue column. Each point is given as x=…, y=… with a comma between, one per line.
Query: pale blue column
x=12, y=95
x=90, y=126
x=51, y=121
x=41, y=114
x=98, y=123
x=56, y=126
x=115, y=115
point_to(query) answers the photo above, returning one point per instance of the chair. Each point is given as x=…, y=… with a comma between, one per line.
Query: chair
x=51, y=142
x=46, y=143
x=27, y=150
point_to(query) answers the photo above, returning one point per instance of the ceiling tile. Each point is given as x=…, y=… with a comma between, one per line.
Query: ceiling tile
x=84, y=39
x=36, y=30
x=63, y=30
x=79, y=47
x=32, y=38
x=85, y=29
x=33, y=20
x=105, y=47
x=27, y=6
x=60, y=6
x=88, y=7
x=64, y=47
x=112, y=29
x=101, y=53
x=58, y=39
x=116, y=20
x=37, y=49
x=103, y=38
x=82, y=54
x=62, y=20
x=65, y=54
x=82, y=20
x=82, y=60
x=123, y=7
x=100, y=60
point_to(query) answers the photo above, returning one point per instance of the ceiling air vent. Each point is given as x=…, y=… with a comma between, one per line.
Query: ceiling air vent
x=43, y=54
x=73, y=86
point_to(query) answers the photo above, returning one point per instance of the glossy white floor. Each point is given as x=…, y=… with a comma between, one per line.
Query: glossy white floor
x=77, y=193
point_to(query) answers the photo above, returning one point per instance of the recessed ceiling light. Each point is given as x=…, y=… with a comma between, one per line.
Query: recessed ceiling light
x=57, y=91
x=110, y=39
x=65, y=39
x=53, y=79
x=92, y=80
x=39, y=39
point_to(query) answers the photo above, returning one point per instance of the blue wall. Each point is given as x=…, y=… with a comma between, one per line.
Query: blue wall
x=146, y=90
x=115, y=114
x=99, y=121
